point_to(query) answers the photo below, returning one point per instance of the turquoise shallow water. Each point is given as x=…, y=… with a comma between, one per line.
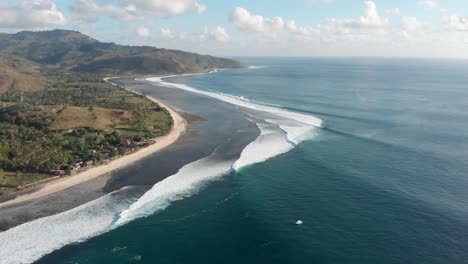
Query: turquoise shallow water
x=383, y=181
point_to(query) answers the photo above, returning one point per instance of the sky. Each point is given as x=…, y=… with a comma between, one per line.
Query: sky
x=377, y=28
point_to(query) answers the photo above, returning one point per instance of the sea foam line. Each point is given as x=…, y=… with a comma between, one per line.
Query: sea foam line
x=29, y=242
x=187, y=181
x=257, y=67
x=270, y=143
x=279, y=133
x=239, y=101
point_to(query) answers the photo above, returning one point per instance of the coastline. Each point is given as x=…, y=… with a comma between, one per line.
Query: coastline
x=179, y=127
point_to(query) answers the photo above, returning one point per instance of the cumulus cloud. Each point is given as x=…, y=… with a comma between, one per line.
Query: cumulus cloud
x=302, y=32
x=429, y=4
x=247, y=22
x=143, y=32
x=166, y=33
x=165, y=7
x=366, y=28
x=217, y=34
x=373, y=34
x=200, y=8
x=31, y=14
x=393, y=11
x=88, y=10
x=412, y=24
x=371, y=18
x=129, y=10
x=456, y=23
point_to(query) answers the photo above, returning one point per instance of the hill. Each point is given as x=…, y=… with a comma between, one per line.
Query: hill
x=76, y=52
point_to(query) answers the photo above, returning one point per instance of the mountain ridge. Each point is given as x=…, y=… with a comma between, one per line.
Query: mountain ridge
x=32, y=53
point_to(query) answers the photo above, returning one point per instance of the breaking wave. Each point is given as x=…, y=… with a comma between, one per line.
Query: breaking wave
x=242, y=102
x=31, y=241
x=270, y=143
x=257, y=67
x=280, y=131
x=183, y=184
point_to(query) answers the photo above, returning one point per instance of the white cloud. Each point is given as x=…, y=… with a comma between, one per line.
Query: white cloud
x=370, y=27
x=412, y=24
x=393, y=11
x=30, y=14
x=429, y=4
x=88, y=10
x=364, y=26
x=218, y=34
x=370, y=21
x=200, y=8
x=183, y=35
x=166, y=33
x=302, y=32
x=374, y=35
x=372, y=17
x=166, y=7
x=456, y=23
x=129, y=10
x=143, y=32
x=247, y=22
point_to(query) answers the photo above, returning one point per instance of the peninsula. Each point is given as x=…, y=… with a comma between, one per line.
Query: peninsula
x=62, y=124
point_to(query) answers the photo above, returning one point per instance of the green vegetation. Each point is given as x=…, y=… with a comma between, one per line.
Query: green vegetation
x=57, y=115
x=11, y=182
x=73, y=51
x=70, y=124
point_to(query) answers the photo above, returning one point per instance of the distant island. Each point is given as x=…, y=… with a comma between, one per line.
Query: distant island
x=59, y=117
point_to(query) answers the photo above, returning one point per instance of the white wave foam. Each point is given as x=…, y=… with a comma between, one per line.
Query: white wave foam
x=160, y=78
x=31, y=241
x=270, y=143
x=302, y=118
x=176, y=187
x=295, y=132
x=257, y=67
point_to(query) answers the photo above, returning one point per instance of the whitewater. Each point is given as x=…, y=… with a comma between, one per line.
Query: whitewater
x=280, y=131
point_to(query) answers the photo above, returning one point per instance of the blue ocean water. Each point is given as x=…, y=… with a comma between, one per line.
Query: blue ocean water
x=384, y=178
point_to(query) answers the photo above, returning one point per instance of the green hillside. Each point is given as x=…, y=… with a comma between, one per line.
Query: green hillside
x=77, y=52
x=57, y=115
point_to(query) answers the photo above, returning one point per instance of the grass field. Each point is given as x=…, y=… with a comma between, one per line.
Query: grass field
x=11, y=182
x=12, y=80
x=73, y=117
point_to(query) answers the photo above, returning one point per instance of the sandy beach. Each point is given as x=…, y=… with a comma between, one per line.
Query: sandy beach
x=67, y=182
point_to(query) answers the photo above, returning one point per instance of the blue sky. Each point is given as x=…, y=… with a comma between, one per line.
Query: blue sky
x=412, y=28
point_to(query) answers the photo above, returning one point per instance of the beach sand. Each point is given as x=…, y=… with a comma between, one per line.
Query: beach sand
x=67, y=182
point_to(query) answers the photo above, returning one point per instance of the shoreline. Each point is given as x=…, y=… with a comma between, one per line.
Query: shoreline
x=54, y=186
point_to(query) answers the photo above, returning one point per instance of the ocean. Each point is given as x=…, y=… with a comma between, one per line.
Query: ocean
x=369, y=153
